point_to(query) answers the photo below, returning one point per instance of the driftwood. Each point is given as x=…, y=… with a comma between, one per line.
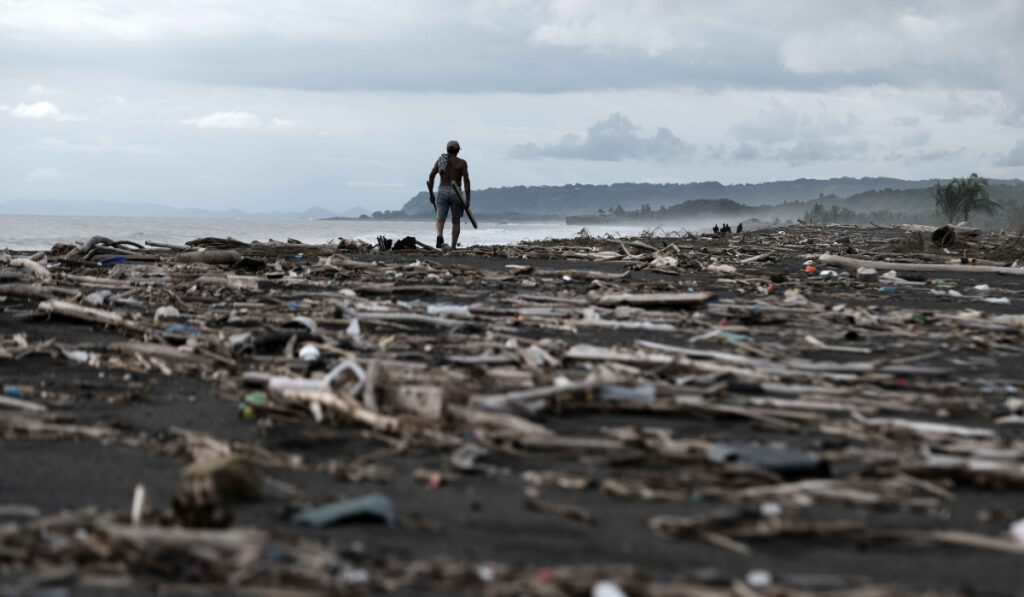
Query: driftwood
x=235, y=548
x=656, y=299
x=19, y=404
x=26, y=290
x=212, y=257
x=850, y=263
x=38, y=270
x=964, y=230
x=74, y=311
x=101, y=243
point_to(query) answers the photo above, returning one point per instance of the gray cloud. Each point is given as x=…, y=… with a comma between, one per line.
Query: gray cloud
x=775, y=125
x=919, y=157
x=529, y=45
x=958, y=109
x=916, y=139
x=613, y=139
x=936, y=155
x=906, y=121
x=830, y=125
x=745, y=153
x=780, y=124
x=1014, y=157
x=821, y=150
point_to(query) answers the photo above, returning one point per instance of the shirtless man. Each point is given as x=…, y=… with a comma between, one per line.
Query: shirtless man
x=453, y=170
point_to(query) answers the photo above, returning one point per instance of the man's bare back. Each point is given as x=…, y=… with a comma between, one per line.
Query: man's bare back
x=456, y=173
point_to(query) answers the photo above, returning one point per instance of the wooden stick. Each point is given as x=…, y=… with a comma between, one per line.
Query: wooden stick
x=503, y=401
x=656, y=299
x=84, y=313
x=21, y=404
x=168, y=246
x=38, y=270
x=851, y=263
x=755, y=258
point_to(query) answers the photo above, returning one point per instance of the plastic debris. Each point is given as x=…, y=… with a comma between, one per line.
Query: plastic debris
x=374, y=505
x=607, y=588
x=791, y=464
x=309, y=353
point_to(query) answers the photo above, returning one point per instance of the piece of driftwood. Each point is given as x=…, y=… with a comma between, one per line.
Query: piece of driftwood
x=533, y=500
x=234, y=548
x=965, y=230
x=211, y=257
x=851, y=263
x=38, y=270
x=26, y=290
x=517, y=399
x=505, y=421
x=656, y=299
x=74, y=311
x=317, y=394
x=19, y=404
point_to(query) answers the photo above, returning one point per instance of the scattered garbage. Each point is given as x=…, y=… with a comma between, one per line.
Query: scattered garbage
x=607, y=588
x=448, y=310
x=309, y=353
x=373, y=506
x=746, y=387
x=790, y=464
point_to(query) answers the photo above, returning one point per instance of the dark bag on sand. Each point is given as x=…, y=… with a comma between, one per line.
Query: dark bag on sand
x=405, y=244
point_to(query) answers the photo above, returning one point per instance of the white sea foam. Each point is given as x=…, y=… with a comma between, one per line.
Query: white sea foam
x=22, y=232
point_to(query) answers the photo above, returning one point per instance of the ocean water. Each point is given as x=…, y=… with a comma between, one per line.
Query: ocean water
x=22, y=232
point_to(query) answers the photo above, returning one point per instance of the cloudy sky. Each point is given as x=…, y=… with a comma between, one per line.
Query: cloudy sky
x=265, y=105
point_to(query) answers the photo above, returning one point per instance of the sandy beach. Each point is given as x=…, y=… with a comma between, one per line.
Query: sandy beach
x=753, y=424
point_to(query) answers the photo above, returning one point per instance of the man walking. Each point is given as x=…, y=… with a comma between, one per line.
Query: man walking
x=453, y=170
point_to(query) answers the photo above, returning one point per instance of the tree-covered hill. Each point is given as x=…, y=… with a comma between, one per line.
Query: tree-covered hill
x=578, y=199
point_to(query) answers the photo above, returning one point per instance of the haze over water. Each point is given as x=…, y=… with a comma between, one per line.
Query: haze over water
x=26, y=232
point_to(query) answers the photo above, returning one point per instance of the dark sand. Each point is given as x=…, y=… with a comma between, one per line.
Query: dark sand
x=482, y=517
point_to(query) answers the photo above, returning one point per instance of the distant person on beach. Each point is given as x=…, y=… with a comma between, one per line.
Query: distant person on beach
x=453, y=170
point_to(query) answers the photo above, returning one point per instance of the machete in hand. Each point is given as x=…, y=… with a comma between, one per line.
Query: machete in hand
x=465, y=205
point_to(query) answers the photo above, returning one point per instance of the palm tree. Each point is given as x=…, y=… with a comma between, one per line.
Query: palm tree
x=974, y=196
x=947, y=199
x=964, y=195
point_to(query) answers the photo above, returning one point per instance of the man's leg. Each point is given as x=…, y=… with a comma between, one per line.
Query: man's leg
x=456, y=228
x=439, y=225
x=442, y=214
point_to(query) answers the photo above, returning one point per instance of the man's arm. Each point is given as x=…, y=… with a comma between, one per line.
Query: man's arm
x=430, y=182
x=465, y=176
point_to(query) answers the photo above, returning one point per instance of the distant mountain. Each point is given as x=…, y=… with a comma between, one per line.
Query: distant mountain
x=580, y=199
x=887, y=205
x=153, y=210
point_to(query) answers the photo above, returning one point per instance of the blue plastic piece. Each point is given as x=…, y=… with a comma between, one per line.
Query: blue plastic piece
x=372, y=505
x=114, y=260
x=180, y=327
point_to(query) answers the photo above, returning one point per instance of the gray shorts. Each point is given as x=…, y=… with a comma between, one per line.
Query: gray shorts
x=447, y=199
